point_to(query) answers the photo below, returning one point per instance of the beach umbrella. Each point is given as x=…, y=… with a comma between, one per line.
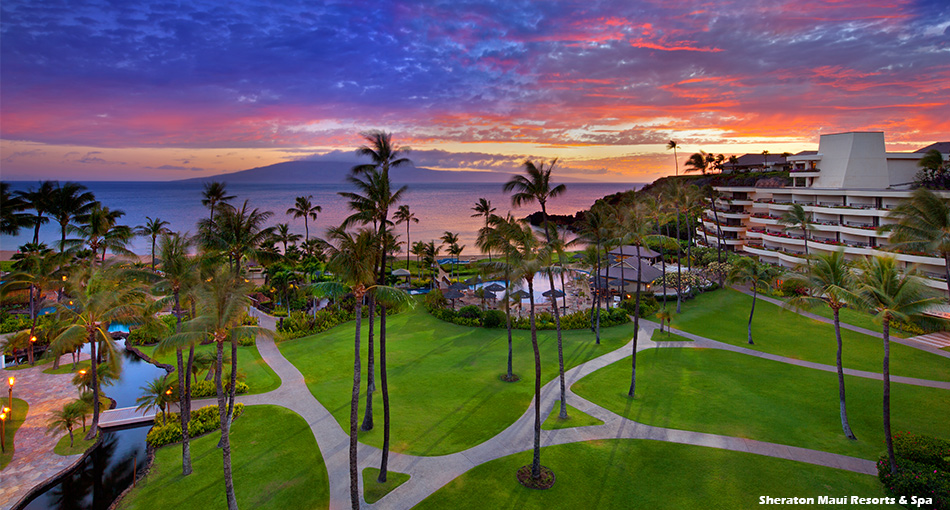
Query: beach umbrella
x=401, y=272
x=557, y=293
x=458, y=286
x=474, y=280
x=520, y=294
x=452, y=294
x=490, y=295
x=495, y=287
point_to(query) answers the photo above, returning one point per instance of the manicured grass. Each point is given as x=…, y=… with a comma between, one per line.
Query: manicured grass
x=857, y=318
x=24, y=365
x=732, y=394
x=374, y=491
x=723, y=315
x=628, y=473
x=444, y=383
x=260, y=377
x=668, y=337
x=276, y=465
x=79, y=446
x=67, y=368
x=575, y=418
x=20, y=410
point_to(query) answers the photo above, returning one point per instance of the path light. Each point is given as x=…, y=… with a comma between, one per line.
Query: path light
x=82, y=375
x=3, y=432
x=11, y=381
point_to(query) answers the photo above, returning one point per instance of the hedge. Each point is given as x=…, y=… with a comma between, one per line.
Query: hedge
x=205, y=389
x=923, y=470
x=203, y=420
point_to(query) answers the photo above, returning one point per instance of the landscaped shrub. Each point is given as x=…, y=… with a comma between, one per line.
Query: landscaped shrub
x=434, y=299
x=922, y=470
x=299, y=324
x=206, y=389
x=153, y=332
x=12, y=323
x=493, y=319
x=470, y=312
x=791, y=288
x=202, y=421
x=648, y=305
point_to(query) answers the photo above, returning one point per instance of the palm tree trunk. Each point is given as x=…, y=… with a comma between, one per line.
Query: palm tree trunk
x=598, y=303
x=536, y=461
x=557, y=325
x=845, y=426
x=679, y=267
x=887, y=395
x=225, y=443
x=754, y=289
x=946, y=267
x=354, y=410
x=384, y=382
x=153, y=253
x=665, y=296
x=185, y=412
x=511, y=375
x=636, y=327
x=719, y=239
x=370, y=368
x=93, y=372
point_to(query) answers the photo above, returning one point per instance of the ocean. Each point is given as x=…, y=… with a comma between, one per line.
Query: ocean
x=440, y=207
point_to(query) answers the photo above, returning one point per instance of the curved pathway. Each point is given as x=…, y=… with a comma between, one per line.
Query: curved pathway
x=428, y=474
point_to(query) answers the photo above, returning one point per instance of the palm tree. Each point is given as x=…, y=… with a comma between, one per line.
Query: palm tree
x=304, y=208
x=796, y=217
x=922, y=225
x=673, y=145
x=238, y=233
x=12, y=217
x=100, y=297
x=153, y=229
x=497, y=235
x=595, y=231
x=156, y=393
x=536, y=186
x=403, y=215
x=698, y=162
x=451, y=240
x=527, y=258
x=484, y=209
x=37, y=268
x=890, y=295
x=353, y=261
x=222, y=303
x=430, y=257
x=180, y=277
x=39, y=200
x=101, y=230
x=69, y=204
x=64, y=419
x=757, y=275
x=215, y=196
x=283, y=235
x=830, y=282
x=765, y=159
x=734, y=161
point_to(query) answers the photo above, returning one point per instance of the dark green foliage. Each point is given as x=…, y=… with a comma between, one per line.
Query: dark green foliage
x=205, y=389
x=12, y=323
x=434, y=299
x=470, y=312
x=923, y=469
x=153, y=332
x=300, y=324
x=202, y=421
x=493, y=319
x=791, y=288
x=648, y=305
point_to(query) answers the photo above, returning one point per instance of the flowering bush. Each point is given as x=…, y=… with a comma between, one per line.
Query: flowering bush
x=923, y=469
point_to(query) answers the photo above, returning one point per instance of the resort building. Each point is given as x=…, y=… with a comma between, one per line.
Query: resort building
x=847, y=188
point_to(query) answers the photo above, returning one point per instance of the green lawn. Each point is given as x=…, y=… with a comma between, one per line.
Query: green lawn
x=67, y=368
x=723, y=315
x=79, y=446
x=374, y=491
x=260, y=377
x=856, y=318
x=276, y=465
x=627, y=473
x=575, y=418
x=668, y=337
x=20, y=409
x=444, y=379
x=732, y=394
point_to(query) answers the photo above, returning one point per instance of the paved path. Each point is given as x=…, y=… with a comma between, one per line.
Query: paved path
x=910, y=342
x=33, y=459
x=937, y=340
x=428, y=474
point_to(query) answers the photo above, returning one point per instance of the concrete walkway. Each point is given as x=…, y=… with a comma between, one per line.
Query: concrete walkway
x=428, y=474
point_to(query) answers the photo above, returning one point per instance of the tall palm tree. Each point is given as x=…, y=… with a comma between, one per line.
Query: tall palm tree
x=65, y=419
x=923, y=225
x=498, y=234
x=430, y=257
x=882, y=289
x=484, y=209
x=528, y=256
x=154, y=229
x=595, y=230
x=222, y=303
x=283, y=235
x=403, y=215
x=306, y=209
x=39, y=200
x=673, y=145
x=451, y=240
x=215, y=196
x=237, y=233
x=796, y=218
x=734, y=161
x=698, y=162
x=69, y=204
x=765, y=159
x=536, y=186
x=36, y=268
x=180, y=278
x=101, y=231
x=156, y=393
x=757, y=275
x=12, y=217
x=830, y=282
x=100, y=297
x=352, y=260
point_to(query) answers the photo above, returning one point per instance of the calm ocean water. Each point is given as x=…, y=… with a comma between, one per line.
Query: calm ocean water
x=439, y=206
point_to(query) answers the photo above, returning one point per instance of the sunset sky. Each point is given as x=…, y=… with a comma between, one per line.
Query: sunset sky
x=126, y=90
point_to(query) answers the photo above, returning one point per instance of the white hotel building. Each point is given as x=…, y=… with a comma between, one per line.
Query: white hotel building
x=848, y=186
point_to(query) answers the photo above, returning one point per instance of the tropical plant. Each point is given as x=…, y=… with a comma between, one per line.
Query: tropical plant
x=283, y=235
x=37, y=268
x=12, y=217
x=698, y=162
x=215, y=196
x=497, y=234
x=156, y=393
x=829, y=281
x=922, y=225
x=757, y=275
x=797, y=218
x=154, y=229
x=306, y=209
x=892, y=296
x=404, y=215
x=39, y=200
x=451, y=240
x=536, y=186
x=69, y=204
x=237, y=233
x=665, y=317
x=596, y=231
x=484, y=209
x=673, y=145
x=64, y=419
x=100, y=230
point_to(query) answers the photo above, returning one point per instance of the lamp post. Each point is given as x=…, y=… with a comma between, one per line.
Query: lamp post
x=3, y=432
x=82, y=374
x=11, y=381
